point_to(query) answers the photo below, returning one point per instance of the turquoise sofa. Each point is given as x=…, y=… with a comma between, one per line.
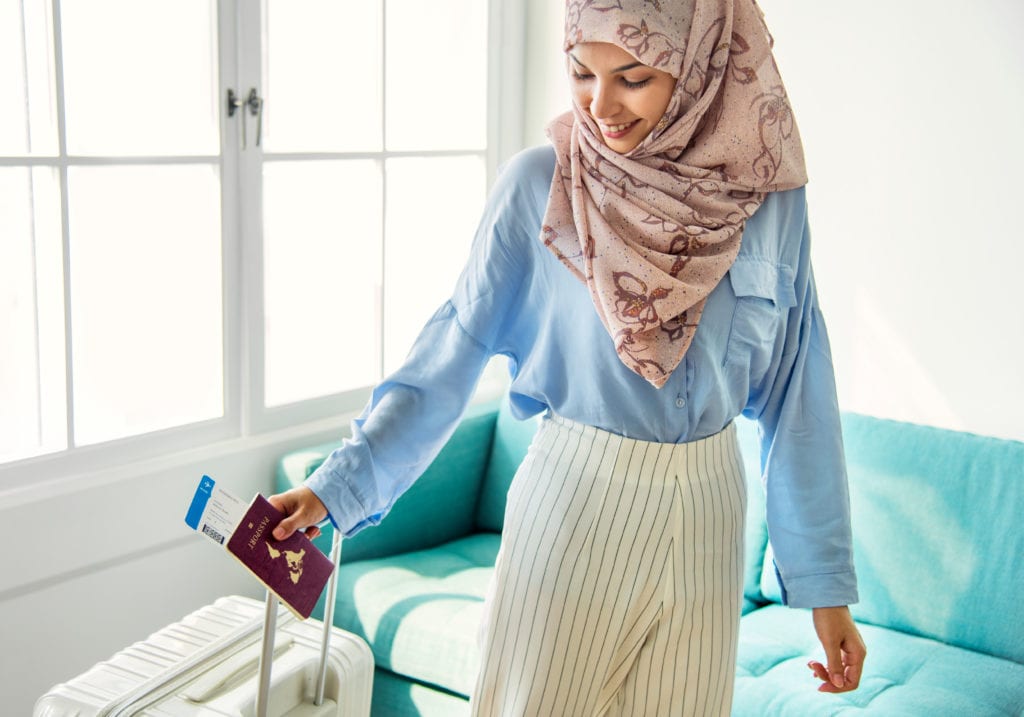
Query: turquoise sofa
x=939, y=550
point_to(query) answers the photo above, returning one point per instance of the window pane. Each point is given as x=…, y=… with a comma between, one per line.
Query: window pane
x=321, y=239
x=433, y=208
x=28, y=121
x=32, y=385
x=140, y=78
x=146, y=291
x=322, y=76
x=436, y=74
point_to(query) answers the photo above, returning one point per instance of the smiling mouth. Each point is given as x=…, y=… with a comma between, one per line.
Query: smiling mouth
x=614, y=131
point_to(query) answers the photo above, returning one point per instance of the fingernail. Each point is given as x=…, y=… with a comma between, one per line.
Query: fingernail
x=279, y=533
x=838, y=680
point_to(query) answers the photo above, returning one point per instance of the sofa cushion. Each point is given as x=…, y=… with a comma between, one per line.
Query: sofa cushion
x=396, y=696
x=756, y=534
x=420, y=612
x=512, y=438
x=904, y=674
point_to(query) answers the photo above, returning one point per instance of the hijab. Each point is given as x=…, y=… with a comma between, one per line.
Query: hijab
x=651, y=232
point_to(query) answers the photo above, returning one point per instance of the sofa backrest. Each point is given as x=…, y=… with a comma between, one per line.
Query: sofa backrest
x=938, y=527
x=756, y=531
x=508, y=448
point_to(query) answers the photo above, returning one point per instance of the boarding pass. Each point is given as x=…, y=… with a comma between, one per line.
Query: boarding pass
x=214, y=511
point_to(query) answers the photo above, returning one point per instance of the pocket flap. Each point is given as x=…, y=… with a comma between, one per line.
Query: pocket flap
x=763, y=279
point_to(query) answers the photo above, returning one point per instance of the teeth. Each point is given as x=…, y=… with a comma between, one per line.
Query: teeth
x=617, y=127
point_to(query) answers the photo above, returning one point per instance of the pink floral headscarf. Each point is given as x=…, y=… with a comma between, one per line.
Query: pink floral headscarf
x=652, y=232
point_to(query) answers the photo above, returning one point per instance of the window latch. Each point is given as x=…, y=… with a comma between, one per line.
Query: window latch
x=255, y=104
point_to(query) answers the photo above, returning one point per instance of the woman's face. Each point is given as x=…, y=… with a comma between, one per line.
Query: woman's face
x=625, y=97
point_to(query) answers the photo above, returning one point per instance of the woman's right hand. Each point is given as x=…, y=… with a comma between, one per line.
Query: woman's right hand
x=302, y=509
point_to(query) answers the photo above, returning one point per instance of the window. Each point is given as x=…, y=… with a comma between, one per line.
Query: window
x=178, y=266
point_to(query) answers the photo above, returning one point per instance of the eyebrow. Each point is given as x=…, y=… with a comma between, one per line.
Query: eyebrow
x=617, y=69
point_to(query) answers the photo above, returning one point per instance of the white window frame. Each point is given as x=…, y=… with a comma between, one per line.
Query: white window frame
x=245, y=418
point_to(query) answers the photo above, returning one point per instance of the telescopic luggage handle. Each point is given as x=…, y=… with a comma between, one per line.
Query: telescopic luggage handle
x=270, y=628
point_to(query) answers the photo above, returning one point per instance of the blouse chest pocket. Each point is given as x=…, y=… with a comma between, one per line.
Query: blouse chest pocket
x=764, y=294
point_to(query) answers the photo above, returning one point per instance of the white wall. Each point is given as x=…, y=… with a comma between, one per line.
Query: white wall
x=911, y=113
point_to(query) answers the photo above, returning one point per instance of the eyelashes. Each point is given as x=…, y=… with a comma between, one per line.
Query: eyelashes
x=635, y=85
x=626, y=83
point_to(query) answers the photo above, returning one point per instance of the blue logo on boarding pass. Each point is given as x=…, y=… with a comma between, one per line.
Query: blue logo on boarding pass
x=199, y=501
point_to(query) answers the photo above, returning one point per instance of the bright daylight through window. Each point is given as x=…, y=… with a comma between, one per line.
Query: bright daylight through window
x=152, y=245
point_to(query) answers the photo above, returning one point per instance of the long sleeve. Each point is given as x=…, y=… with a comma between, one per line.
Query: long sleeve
x=413, y=412
x=409, y=417
x=808, y=508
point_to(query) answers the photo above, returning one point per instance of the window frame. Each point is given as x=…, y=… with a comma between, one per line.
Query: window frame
x=244, y=415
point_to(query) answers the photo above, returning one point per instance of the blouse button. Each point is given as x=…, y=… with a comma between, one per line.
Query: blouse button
x=680, y=402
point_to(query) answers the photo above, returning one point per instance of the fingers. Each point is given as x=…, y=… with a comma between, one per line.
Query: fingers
x=836, y=669
x=289, y=525
x=821, y=672
x=851, y=674
x=844, y=650
x=302, y=509
x=854, y=652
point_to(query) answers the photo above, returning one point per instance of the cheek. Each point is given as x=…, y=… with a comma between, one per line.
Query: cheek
x=660, y=97
x=654, y=109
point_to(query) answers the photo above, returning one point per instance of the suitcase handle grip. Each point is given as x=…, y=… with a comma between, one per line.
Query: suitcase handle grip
x=228, y=674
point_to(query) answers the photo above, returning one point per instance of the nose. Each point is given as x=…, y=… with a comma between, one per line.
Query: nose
x=603, y=102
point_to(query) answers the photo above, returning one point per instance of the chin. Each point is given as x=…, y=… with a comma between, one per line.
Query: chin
x=621, y=146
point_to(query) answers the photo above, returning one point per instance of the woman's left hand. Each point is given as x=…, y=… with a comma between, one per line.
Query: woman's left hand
x=844, y=650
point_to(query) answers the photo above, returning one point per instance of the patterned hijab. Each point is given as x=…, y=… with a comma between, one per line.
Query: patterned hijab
x=652, y=232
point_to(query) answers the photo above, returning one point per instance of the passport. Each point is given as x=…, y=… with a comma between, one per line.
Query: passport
x=293, y=569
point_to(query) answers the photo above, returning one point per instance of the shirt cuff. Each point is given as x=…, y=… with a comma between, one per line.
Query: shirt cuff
x=822, y=590
x=344, y=508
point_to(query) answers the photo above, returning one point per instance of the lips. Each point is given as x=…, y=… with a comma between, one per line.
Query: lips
x=615, y=131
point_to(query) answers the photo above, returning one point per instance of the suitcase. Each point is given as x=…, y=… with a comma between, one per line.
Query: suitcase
x=214, y=662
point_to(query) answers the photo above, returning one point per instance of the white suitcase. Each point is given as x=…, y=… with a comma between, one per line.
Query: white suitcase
x=213, y=662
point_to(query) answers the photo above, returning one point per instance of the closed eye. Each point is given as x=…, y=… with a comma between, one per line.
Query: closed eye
x=635, y=85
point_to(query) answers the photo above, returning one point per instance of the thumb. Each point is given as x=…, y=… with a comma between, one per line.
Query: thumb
x=301, y=507
x=286, y=527
x=836, y=670
x=292, y=509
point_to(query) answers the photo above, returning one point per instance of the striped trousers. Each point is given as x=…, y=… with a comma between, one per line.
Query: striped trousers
x=618, y=583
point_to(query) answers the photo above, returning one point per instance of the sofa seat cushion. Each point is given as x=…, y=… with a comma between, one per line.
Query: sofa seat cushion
x=904, y=675
x=395, y=696
x=420, y=611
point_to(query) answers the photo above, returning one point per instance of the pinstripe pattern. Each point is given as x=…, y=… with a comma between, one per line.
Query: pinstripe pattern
x=617, y=587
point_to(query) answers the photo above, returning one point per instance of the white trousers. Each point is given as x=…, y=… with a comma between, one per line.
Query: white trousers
x=617, y=588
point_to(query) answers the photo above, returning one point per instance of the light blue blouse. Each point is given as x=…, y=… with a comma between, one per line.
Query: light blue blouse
x=760, y=349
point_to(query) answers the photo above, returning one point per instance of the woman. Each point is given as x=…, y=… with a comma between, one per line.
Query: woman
x=649, y=279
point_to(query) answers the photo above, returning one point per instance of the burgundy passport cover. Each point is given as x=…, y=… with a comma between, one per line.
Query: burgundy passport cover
x=294, y=569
